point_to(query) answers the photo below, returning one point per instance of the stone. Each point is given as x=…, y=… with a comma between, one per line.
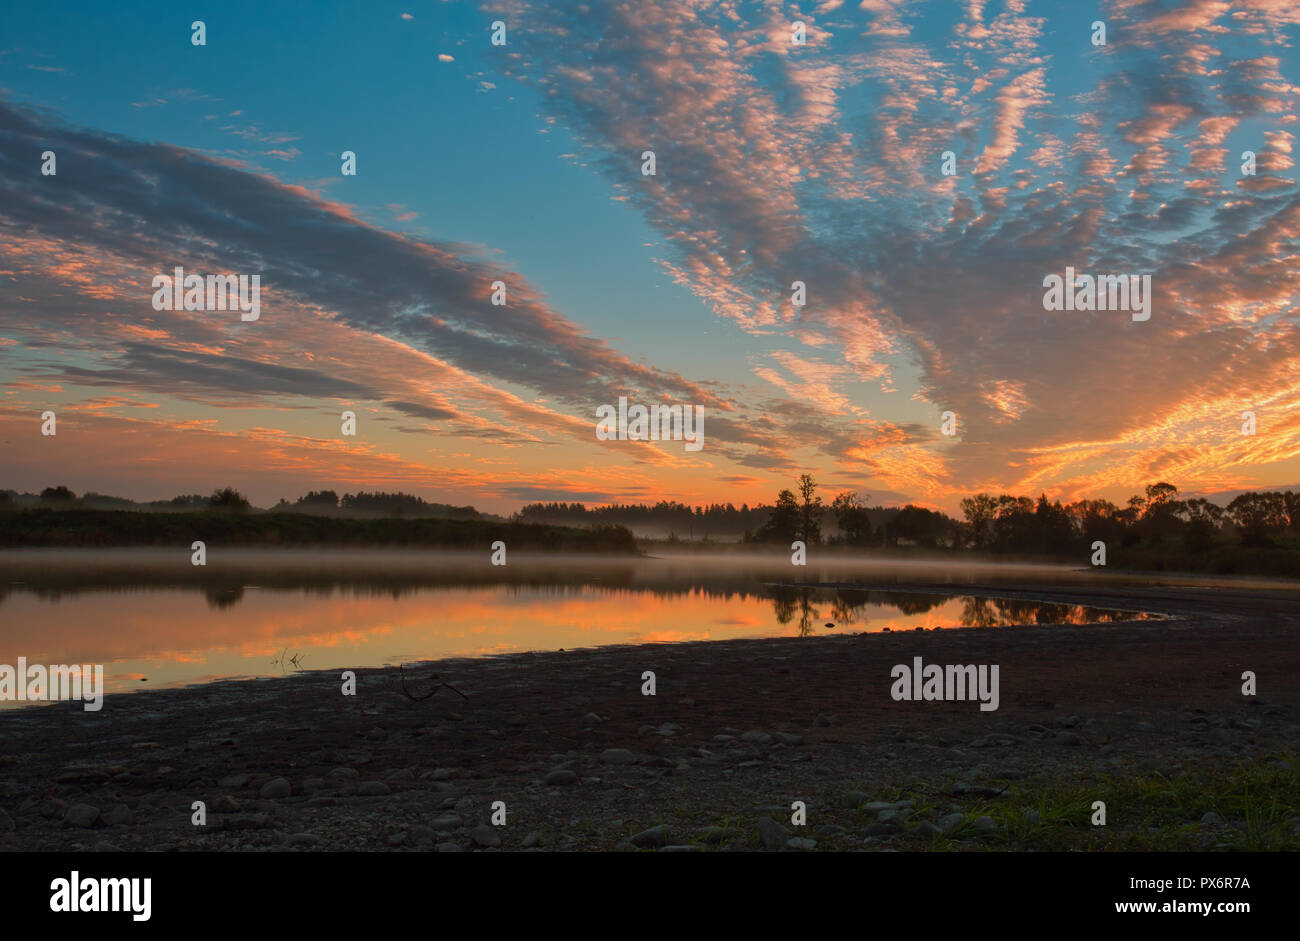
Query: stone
x=225, y=804
x=984, y=824
x=1212, y=819
x=485, y=836
x=532, y=839
x=801, y=843
x=373, y=789
x=81, y=815
x=655, y=836
x=755, y=737
x=560, y=777
x=276, y=787
x=950, y=823
x=683, y=848
x=771, y=834
x=855, y=799
x=617, y=756
x=788, y=738
x=926, y=829
x=234, y=780
x=119, y=815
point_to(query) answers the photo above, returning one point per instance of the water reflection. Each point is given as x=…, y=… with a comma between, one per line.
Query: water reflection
x=260, y=616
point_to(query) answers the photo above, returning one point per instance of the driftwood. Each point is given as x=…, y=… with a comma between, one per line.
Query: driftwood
x=401, y=673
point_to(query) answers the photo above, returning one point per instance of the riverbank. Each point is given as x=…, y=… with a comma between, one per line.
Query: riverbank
x=1147, y=717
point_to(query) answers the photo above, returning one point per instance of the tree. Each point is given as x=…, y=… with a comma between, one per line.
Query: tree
x=228, y=498
x=59, y=494
x=980, y=511
x=1258, y=515
x=324, y=499
x=851, y=516
x=810, y=511
x=783, y=525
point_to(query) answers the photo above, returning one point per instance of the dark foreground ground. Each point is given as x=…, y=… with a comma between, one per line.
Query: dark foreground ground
x=1147, y=717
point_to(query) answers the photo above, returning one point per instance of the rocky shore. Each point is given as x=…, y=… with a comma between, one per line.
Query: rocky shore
x=736, y=733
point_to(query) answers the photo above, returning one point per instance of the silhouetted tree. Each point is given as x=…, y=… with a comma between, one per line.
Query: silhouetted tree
x=810, y=511
x=228, y=498
x=852, y=519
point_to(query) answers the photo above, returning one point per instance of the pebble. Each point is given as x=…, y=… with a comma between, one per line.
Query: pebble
x=1212, y=819
x=276, y=787
x=532, y=839
x=788, y=738
x=772, y=834
x=950, y=823
x=81, y=815
x=926, y=828
x=755, y=737
x=985, y=824
x=373, y=789
x=225, y=804
x=714, y=834
x=484, y=835
x=801, y=843
x=617, y=756
x=655, y=836
x=561, y=776
x=234, y=780
x=683, y=848
x=119, y=815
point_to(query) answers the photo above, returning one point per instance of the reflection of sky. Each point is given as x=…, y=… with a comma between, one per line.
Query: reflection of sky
x=175, y=637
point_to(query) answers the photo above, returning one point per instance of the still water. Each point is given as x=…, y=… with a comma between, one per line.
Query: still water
x=153, y=620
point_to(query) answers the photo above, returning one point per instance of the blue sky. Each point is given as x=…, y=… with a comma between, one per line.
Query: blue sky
x=775, y=163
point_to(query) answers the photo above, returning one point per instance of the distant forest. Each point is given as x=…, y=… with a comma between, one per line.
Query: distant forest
x=316, y=502
x=1256, y=532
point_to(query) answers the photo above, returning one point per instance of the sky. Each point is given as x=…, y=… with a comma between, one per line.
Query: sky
x=820, y=162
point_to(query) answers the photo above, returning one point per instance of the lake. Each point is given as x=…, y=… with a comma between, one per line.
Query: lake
x=154, y=620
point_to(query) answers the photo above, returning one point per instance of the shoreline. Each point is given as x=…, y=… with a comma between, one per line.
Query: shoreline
x=737, y=731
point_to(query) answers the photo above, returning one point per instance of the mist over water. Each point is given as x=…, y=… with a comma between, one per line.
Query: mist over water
x=156, y=620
